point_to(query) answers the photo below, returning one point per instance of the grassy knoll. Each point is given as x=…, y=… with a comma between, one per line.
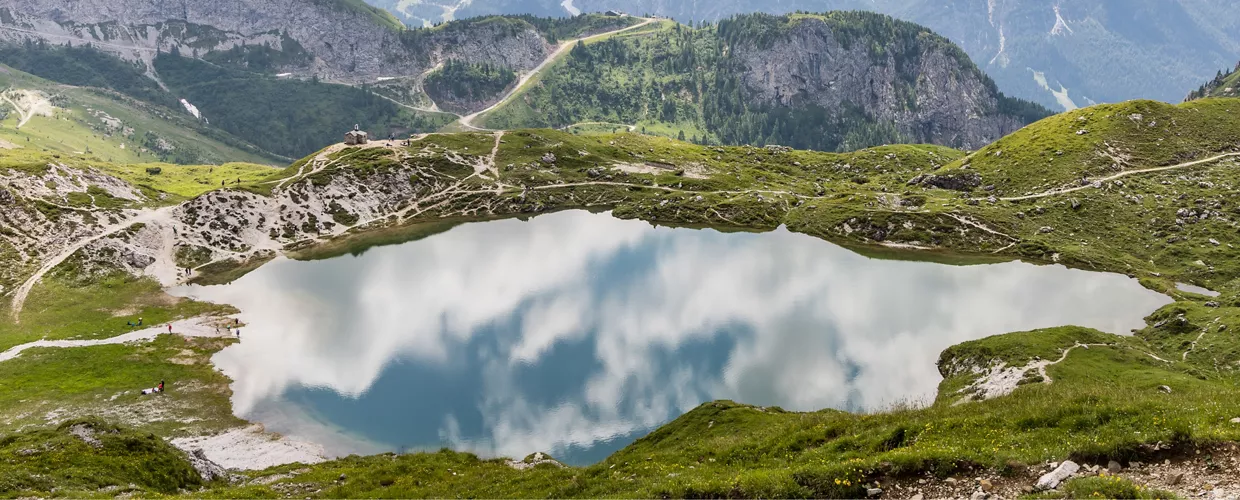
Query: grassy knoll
x=189, y=181
x=1104, y=140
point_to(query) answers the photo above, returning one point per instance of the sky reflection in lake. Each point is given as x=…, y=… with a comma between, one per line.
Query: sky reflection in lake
x=574, y=333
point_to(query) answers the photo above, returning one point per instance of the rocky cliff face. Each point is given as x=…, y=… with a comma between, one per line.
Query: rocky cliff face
x=351, y=44
x=928, y=90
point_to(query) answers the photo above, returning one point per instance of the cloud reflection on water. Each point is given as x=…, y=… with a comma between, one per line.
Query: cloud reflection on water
x=670, y=318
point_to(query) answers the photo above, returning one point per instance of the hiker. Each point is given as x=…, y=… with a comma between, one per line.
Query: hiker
x=169, y=327
x=238, y=333
x=130, y=324
x=139, y=321
x=153, y=390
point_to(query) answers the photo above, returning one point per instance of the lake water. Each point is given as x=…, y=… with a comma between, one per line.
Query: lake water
x=574, y=333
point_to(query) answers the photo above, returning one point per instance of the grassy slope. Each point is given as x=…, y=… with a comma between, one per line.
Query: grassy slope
x=1104, y=402
x=80, y=127
x=189, y=180
x=120, y=460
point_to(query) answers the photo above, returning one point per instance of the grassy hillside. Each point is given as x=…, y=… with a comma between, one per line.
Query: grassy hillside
x=1104, y=140
x=1223, y=85
x=110, y=126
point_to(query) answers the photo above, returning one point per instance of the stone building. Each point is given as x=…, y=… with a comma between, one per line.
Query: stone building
x=356, y=137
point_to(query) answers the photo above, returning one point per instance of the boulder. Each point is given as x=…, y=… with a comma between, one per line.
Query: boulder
x=548, y=158
x=956, y=181
x=1114, y=467
x=208, y=470
x=1051, y=480
x=6, y=198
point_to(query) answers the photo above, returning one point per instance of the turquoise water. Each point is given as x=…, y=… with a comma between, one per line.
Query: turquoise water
x=574, y=333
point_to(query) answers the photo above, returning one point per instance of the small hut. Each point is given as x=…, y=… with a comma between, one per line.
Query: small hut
x=356, y=137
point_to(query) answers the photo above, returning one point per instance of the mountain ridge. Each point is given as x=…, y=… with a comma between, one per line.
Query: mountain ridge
x=832, y=81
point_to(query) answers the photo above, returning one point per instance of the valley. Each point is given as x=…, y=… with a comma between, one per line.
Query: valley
x=729, y=253
x=1144, y=192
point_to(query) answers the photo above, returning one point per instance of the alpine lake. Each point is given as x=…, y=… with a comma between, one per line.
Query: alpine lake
x=574, y=333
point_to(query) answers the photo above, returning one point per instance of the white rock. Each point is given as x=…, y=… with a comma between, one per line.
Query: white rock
x=1051, y=480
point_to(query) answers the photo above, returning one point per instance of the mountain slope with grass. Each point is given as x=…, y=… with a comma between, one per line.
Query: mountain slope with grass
x=1161, y=403
x=835, y=81
x=1223, y=85
x=40, y=115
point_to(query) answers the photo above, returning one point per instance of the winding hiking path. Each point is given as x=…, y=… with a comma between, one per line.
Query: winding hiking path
x=19, y=296
x=468, y=120
x=1059, y=191
x=196, y=327
x=581, y=124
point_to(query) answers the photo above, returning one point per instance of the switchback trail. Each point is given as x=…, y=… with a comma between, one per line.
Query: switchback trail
x=468, y=120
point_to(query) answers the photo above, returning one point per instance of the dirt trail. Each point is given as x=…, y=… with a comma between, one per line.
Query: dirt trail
x=19, y=296
x=28, y=104
x=195, y=327
x=1125, y=173
x=578, y=124
x=433, y=109
x=70, y=38
x=468, y=120
x=499, y=137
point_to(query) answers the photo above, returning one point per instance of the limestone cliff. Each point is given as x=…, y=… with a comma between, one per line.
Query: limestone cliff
x=898, y=73
x=349, y=42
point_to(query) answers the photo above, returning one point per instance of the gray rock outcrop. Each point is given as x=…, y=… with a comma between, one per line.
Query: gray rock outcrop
x=349, y=43
x=949, y=102
x=1051, y=480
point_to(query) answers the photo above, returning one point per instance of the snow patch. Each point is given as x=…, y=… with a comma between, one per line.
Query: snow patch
x=1000, y=56
x=568, y=5
x=192, y=109
x=1060, y=25
x=1061, y=95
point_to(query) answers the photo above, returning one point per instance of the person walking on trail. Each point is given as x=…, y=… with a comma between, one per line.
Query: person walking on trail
x=169, y=327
